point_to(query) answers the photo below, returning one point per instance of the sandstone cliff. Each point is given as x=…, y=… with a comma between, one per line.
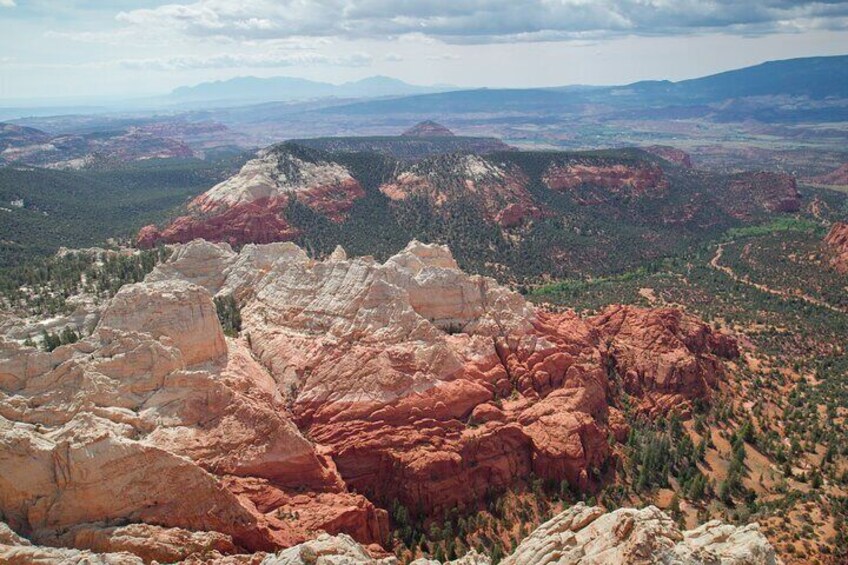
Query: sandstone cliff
x=355, y=383
x=249, y=207
x=836, y=244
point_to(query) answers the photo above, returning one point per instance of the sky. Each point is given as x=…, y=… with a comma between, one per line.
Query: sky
x=52, y=49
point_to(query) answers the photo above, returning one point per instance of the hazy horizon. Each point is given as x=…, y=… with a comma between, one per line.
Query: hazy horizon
x=81, y=49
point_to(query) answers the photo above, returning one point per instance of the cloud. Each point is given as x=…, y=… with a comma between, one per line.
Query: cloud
x=492, y=21
x=7, y=4
x=262, y=60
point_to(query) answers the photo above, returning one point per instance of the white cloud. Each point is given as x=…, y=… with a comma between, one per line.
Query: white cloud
x=7, y=4
x=493, y=21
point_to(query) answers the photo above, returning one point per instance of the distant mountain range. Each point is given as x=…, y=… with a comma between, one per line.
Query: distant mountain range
x=279, y=89
x=814, y=84
x=815, y=81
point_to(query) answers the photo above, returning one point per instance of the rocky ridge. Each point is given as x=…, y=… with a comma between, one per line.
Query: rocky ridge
x=671, y=154
x=506, y=194
x=500, y=189
x=249, y=207
x=400, y=380
x=836, y=243
x=581, y=535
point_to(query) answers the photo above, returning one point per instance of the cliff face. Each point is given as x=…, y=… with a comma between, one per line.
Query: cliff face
x=250, y=206
x=749, y=193
x=836, y=243
x=407, y=380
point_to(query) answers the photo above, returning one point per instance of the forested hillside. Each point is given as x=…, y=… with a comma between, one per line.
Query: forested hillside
x=41, y=210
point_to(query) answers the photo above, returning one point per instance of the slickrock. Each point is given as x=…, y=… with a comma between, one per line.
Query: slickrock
x=587, y=536
x=664, y=356
x=199, y=262
x=177, y=310
x=326, y=549
x=354, y=383
x=384, y=365
x=165, y=545
x=124, y=412
x=836, y=243
x=22, y=552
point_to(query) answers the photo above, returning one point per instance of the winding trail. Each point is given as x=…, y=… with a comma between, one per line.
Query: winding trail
x=714, y=263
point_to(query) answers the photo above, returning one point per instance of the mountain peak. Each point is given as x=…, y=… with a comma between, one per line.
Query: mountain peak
x=428, y=128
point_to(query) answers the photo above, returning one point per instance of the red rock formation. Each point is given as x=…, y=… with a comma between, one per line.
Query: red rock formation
x=837, y=177
x=418, y=419
x=260, y=221
x=250, y=207
x=360, y=384
x=663, y=356
x=595, y=184
x=837, y=246
x=671, y=154
x=749, y=193
x=294, y=516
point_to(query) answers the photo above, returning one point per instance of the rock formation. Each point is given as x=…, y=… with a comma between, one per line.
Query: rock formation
x=297, y=192
x=750, y=193
x=592, y=183
x=581, y=535
x=500, y=190
x=671, y=154
x=682, y=363
x=836, y=177
x=249, y=207
x=407, y=380
x=836, y=243
x=589, y=536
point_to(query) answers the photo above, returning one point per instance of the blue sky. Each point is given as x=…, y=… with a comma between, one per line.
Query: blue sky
x=82, y=48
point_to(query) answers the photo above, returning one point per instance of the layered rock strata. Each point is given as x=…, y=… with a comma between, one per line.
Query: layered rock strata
x=407, y=380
